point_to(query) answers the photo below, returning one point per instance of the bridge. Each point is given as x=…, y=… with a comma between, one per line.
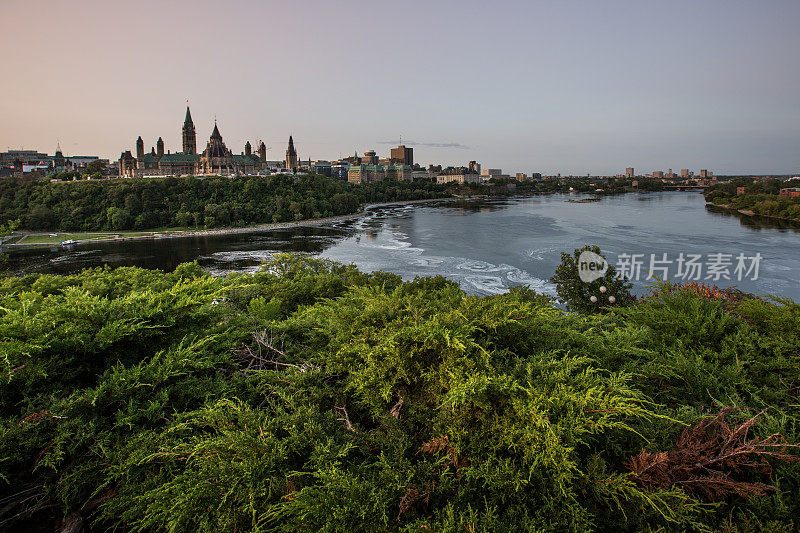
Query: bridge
x=685, y=187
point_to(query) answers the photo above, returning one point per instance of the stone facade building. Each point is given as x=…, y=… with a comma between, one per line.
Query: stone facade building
x=216, y=159
x=291, y=156
x=372, y=173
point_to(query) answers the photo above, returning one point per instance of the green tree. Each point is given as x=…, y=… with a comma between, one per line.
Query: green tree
x=41, y=217
x=577, y=294
x=119, y=218
x=95, y=167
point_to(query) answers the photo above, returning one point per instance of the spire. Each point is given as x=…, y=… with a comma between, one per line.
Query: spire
x=188, y=134
x=215, y=134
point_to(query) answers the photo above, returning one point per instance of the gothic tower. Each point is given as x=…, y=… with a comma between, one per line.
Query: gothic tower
x=160, y=147
x=247, y=148
x=189, y=137
x=262, y=151
x=139, y=148
x=291, y=156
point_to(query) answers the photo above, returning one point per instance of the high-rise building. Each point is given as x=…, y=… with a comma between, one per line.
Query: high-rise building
x=474, y=167
x=489, y=173
x=684, y=172
x=370, y=158
x=189, y=136
x=629, y=172
x=291, y=156
x=402, y=156
x=703, y=173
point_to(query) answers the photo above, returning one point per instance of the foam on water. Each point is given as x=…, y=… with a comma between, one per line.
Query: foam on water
x=389, y=248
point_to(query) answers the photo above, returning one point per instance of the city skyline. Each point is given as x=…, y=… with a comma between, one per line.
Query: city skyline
x=529, y=87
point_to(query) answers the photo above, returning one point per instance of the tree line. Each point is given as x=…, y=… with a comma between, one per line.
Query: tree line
x=760, y=197
x=192, y=202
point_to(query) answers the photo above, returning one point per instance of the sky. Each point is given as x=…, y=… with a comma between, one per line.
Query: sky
x=552, y=86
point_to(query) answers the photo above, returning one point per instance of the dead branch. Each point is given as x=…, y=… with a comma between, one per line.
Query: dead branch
x=395, y=410
x=709, y=454
x=346, y=419
x=256, y=361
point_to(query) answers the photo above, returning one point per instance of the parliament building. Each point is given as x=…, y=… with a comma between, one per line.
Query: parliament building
x=216, y=159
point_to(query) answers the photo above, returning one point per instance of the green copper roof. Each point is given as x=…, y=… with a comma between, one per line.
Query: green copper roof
x=180, y=158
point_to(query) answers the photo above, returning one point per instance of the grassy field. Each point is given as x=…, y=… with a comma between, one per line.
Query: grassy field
x=55, y=238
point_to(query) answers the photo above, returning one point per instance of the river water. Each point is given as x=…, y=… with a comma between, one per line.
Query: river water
x=490, y=245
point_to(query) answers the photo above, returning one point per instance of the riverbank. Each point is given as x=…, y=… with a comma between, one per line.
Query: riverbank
x=750, y=213
x=52, y=239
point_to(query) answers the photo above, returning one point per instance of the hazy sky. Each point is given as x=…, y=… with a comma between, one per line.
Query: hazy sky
x=552, y=86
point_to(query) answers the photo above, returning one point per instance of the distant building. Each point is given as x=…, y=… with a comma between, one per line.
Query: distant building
x=402, y=156
x=188, y=134
x=215, y=159
x=458, y=178
x=474, y=167
x=372, y=173
x=792, y=192
x=323, y=168
x=629, y=173
x=24, y=161
x=26, y=157
x=658, y=174
x=488, y=173
x=684, y=173
x=291, y=156
x=370, y=158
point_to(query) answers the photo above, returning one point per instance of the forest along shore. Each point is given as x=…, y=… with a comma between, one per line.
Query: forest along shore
x=177, y=234
x=751, y=213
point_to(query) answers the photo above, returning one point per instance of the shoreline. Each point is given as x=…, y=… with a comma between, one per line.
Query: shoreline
x=749, y=213
x=269, y=226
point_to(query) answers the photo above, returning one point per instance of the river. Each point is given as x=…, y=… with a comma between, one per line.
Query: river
x=490, y=245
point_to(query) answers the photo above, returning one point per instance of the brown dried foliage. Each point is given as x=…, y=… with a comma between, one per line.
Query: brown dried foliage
x=443, y=444
x=38, y=416
x=413, y=496
x=709, y=455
